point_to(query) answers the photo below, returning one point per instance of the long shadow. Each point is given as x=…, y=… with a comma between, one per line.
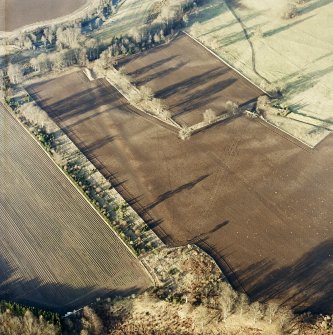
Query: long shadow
x=98, y=144
x=159, y=75
x=169, y=194
x=205, y=235
x=237, y=4
x=86, y=104
x=76, y=104
x=210, y=11
x=193, y=82
x=306, y=285
x=219, y=226
x=237, y=36
x=56, y=297
x=295, y=108
x=306, y=81
x=202, y=98
x=146, y=68
x=244, y=19
x=284, y=28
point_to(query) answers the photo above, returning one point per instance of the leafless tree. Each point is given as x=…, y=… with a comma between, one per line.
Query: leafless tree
x=44, y=62
x=146, y=93
x=289, y=12
x=209, y=115
x=93, y=323
x=167, y=14
x=15, y=73
x=157, y=38
x=186, y=19
x=28, y=43
x=80, y=55
x=106, y=59
x=68, y=38
x=231, y=107
x=227, y=300
x=27, y=324
x=35, y=64
x=2, y=79
x=242, y=303
x=256, y=311
x=92, y=47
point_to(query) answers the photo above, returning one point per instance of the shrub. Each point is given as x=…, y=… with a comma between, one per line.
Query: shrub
x=185, y=133
x=209, y=116
x=289, y=12
x=231, y=107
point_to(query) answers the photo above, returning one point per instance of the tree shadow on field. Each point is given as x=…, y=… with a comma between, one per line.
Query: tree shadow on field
x=284, y=28
x=180, y=88
x=80, y=104
x=209, y=11
x=158, y=75
x=306, y=285
x=56, y=297
x=203, y=97
x=142, y=70
x=219, y=226
x=98, y=144
x=246, y=18
x=171, y=193
x=302, y=83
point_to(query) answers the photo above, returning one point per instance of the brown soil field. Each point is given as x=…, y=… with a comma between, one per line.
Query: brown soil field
x=189, y=79
x=56, y=252
x=17, y=13
x=255, y=199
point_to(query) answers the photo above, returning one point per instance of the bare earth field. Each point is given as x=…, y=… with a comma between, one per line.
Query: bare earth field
x=17, y=13
x=56, y=252
x=189, y=82
x=250, y=195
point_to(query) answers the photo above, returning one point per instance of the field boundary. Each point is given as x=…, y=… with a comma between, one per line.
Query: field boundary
x=297, y=140
x=246, y=34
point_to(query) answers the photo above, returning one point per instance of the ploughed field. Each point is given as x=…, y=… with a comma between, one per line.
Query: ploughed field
x=254, y=198
x=17, y=13
x=56, y=252
x=189, y=79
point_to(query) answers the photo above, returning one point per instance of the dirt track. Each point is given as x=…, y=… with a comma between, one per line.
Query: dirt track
x=189, y=79
x=259, y=200
x=56, y=252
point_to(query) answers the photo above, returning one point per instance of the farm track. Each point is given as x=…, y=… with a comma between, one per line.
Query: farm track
x=248, y=38
x=56, y=251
